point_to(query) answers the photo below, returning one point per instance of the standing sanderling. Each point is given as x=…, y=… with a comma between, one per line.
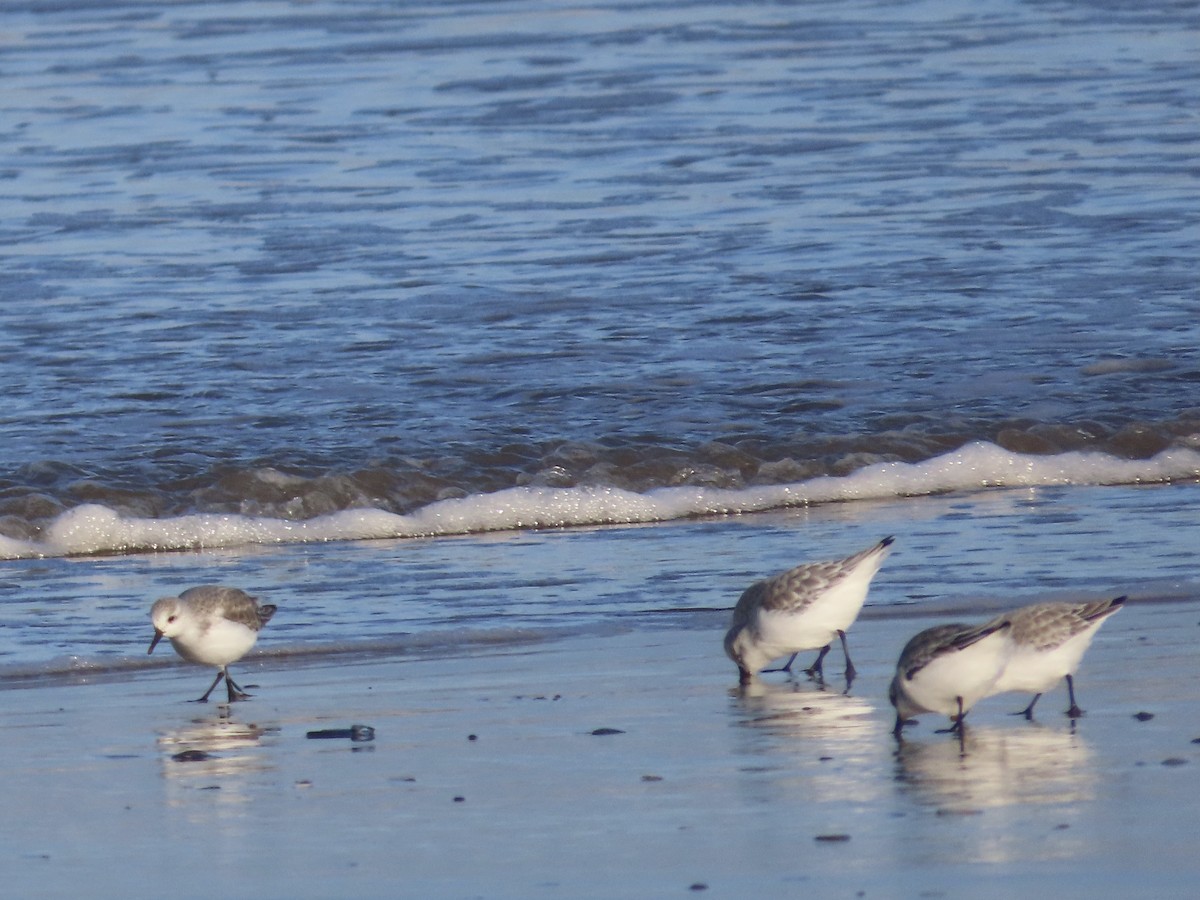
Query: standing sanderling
x=948, y=669
x=212, y=626
x=801, y=609
x=1049, y=640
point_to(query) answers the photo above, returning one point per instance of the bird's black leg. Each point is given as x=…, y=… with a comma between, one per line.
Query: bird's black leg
x=216, y=681
x=957, y=727
x=1027, y=712
x=1074, y=712
x=786, y=667
x=235, y=691
x=817, y=669
x=850, y=670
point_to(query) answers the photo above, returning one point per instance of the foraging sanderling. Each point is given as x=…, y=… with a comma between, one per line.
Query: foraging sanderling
x=948, y=669
x=213, y=626
x=1048, y=642
x=801, y=609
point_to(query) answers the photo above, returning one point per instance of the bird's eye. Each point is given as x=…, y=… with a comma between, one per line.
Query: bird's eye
x=170, y=618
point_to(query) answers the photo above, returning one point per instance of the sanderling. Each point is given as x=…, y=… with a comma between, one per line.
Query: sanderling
x=801, y=609
x=1048, y=642
x=212, y=626
x=948, y=669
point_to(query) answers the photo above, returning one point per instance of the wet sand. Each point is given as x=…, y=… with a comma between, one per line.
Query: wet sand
x=493, y=776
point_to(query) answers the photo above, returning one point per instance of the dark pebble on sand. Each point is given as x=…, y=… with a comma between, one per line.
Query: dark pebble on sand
x=472, y=737
x=1174, y=761
x=460, y=799
x=651, y=778
x=603, y=731
x=1143, y=716
x=832, y=838
x=192, y=756
x=698, y=886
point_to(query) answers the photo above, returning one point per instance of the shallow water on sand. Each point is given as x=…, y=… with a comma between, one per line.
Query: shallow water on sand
x=487, y=777
x=976, y=553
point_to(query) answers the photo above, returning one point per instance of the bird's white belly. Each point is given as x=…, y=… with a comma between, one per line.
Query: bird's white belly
x=222, y=643
x=1032, y=671
x=969, y=674
x=787, y=633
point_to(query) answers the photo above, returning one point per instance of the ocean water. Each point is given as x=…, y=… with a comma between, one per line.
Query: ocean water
x=363, y=302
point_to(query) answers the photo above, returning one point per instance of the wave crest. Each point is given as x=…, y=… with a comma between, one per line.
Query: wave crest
x=95, y=528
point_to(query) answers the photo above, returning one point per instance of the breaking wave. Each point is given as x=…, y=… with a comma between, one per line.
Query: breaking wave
x=94, y=528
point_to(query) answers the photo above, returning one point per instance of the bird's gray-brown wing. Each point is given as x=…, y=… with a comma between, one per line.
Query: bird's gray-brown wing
x=931, y=643
x=793, y=590
x=1099, y=609
x=1043, y=626
x=229, y=603
x=798, y=588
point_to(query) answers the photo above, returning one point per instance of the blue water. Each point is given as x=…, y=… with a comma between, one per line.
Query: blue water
x=273, y=262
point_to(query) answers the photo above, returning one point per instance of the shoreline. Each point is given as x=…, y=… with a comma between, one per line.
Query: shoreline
x=956, y=556
x=433, y=644
x=694, y=785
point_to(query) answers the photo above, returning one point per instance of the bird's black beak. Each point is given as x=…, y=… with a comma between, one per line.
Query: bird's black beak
x=154, y=643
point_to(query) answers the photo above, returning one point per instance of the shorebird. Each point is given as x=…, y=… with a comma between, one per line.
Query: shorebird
x=213, y=626
x=1048, y=643
x=801, y=609
x=948, y=669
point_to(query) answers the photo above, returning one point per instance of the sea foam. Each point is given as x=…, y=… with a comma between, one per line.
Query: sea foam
x=92, y=528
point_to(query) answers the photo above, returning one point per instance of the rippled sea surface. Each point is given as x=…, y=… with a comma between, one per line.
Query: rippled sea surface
x=441, y=242
x=283, y=259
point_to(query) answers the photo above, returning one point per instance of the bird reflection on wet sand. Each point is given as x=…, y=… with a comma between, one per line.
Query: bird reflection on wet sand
x=820, y=739
x=214, y=754
x=995, y=767
x=804, y=711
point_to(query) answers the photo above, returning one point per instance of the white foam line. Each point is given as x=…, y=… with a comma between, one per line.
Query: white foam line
x=98, y=529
